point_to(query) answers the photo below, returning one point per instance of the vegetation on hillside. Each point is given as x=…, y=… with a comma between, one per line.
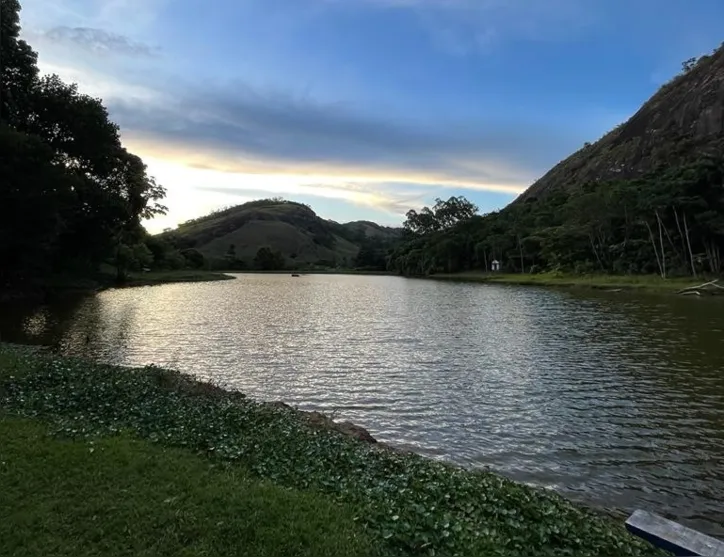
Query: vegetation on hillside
x=274, y=234
x=648, y=198
x=669, y=223
x=403, y=503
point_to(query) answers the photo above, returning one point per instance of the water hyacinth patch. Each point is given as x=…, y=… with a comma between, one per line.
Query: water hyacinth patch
x=417, y=506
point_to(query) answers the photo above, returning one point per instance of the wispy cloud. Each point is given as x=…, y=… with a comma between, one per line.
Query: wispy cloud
x=98, y=41
x=104, y=86
x=194, y=190
x=391, y=201
x=246, y=131
x=288, y=144
x=126, y=17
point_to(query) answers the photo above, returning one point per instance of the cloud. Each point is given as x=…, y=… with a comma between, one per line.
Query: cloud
x=101, y=85
x=125, y=17
x=360, y=194
x=99, y=41
x=245, y=131
x=239, y=137
x=193, y=191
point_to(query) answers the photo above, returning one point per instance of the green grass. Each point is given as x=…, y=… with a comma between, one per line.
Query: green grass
x=120, y=496
x=642, y=282
x=406, y=504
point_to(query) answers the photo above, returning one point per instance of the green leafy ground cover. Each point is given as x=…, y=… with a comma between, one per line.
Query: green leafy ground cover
x=407, y=504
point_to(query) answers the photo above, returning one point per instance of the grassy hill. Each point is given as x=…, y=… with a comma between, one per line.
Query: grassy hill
x=292, y=229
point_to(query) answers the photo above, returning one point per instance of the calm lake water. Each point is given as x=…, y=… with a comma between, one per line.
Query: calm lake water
x=615, y=399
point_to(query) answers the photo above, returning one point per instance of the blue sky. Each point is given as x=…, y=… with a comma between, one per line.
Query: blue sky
x=363, y=108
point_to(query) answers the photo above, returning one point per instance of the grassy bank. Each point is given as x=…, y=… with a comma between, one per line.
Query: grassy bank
x=379, y=500
x=121, y=496
x=605, y=282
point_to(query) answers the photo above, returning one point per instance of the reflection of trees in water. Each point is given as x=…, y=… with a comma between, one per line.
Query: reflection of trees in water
x=670, y=343
x=100, y=328
x=74, y=325
x=39, y=323
x=81, y=329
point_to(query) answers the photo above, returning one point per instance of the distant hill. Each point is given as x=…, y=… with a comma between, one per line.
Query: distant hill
x=367, y=229
x=290, y=228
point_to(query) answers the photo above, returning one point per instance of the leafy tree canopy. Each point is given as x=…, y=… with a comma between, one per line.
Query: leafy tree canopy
x=72, y=197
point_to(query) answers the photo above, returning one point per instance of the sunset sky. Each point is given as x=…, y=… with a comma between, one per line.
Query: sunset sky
x=363, y=108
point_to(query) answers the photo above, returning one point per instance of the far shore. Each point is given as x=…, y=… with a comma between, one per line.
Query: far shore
x=652, y=283
x=163, y=277
x=643, y=283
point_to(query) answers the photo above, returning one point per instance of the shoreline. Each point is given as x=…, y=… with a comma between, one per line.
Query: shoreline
x=612, y=283
x=408, y=503
x=82, y=286
x=171, y=277
x=303, y=272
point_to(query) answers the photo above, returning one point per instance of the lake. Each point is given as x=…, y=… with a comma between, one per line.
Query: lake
x=614, y=399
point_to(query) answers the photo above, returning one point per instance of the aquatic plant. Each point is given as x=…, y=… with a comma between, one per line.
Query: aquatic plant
x=416, y=505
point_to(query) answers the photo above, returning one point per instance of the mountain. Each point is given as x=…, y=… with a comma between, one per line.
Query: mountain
x=681, y=122
x=367, y=229
x=648, y=197
x=292, y=229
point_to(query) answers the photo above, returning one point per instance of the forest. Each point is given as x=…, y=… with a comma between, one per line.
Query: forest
x=669, y=222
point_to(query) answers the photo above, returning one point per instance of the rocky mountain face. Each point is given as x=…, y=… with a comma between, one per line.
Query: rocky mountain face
x=682, y=121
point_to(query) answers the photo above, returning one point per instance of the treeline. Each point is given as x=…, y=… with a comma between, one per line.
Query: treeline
x=670, y=222
x=71, y=197
x=372, y=256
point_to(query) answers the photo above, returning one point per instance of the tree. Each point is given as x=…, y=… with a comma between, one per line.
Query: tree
x=669, y=221
x=63, y=162
x=131, y=258
x=442, y=216
x=18, y=66
x=32, y=216
x=371, y=256
x=194, y=258
x=268, y=260
x=689, y=64
x=230, y=255
x=454, y=210
x=174, y=260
